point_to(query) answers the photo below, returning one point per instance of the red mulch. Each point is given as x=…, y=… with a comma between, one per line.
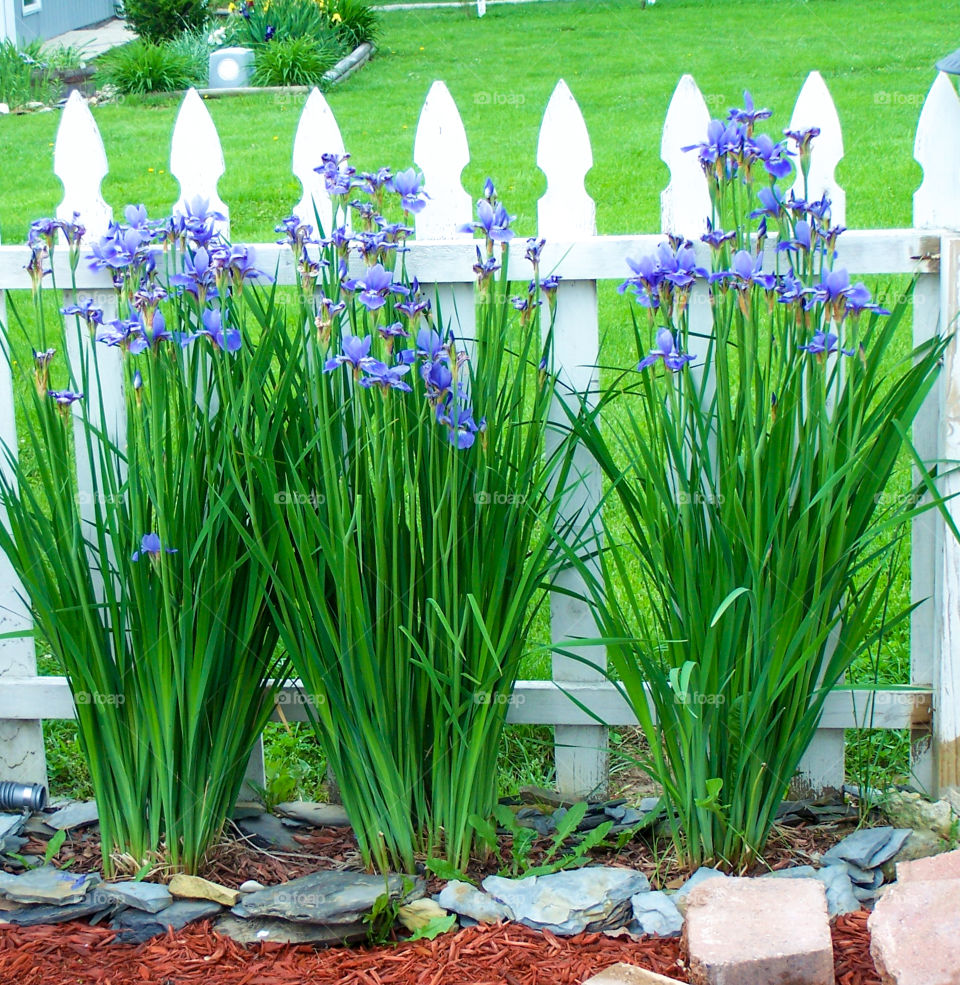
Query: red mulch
x=506, y=954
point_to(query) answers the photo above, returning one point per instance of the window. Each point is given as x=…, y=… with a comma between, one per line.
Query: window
x=32, y=6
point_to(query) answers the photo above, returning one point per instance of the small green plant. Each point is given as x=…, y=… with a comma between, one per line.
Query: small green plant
x=383, y=913
x=558, y=855
x=161, y=20
x=434, y=928
x=25, y=75
x=295, y=61
x=143, y=66
x=357, y=23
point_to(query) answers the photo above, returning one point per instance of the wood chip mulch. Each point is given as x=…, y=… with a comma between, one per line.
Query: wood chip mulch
x=506, y=954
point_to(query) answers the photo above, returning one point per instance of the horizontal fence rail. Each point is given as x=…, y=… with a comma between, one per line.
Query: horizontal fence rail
x=442, y=256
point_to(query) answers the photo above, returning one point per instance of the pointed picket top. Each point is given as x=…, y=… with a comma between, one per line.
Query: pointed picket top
x=317, y=134
x=196, y=158
x=685, y=202
x=441, y=152
x=937, y=150
x=80, y=162
x=564, y=155
x=815, y=108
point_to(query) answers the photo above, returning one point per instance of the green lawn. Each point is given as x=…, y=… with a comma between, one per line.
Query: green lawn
x=622, y=63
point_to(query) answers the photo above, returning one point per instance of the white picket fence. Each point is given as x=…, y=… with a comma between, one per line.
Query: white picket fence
x=440, y=255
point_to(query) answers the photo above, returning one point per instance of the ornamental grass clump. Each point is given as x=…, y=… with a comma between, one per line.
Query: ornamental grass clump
x=139, y=582
x=750, y=459
x=413, y=501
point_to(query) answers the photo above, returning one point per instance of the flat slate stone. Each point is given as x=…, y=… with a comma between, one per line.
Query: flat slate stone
x=319, y=815
x=147, y=896
x=11, y=824
x=256, y=929
x=915, y=933
x=655, y=914
x=135, y=926
x=78, y=815
x=332, y=898
x=95, y=902
x=759, y=931
x=468, y=901
x=47, y=885
x=868, y=848
x=268, y=831
x=566, y=903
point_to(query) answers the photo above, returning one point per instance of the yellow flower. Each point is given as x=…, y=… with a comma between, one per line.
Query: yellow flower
x=232, y=7
x=336, y=18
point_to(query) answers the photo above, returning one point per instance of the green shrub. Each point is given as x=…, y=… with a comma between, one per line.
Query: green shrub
x=358, y=22
x=161, y=20
x=194, y=44
x=294, y=62
x=143, y=66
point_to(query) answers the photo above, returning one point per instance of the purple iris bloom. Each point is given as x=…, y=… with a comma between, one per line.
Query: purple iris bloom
x=221, y=336
x=485, y=266
x=833, y=288
x=409, y=186
x=148, y=337
x=745, y=270
x=376, y=284
x=356, y=353
x=534, y=247
x=86, y=310
x=198, y=276
x=121, y=332
x=749, y=114
x=773, y=156
x=430, y=345
x=136, y=216
x=42, y=232
x=269, y=33
x=43, y=359
x=64, y=398
x=715, y=238
x=396, y=330
x=151, y=547
x=385, y=377
x=771, y=202
x=790, y=289
x=492, y=221
x=549, y=284
x=459, y=420
x=802, y=138
x=438, y=379
x=373, y=245
x=802, y=237
x=489, y=192
x=822, y=343
x=373, y=181
x=859, y=299
x=298, y=233
x=200, y=221
x=723, y=140
x=667, y=350
x=337, y=174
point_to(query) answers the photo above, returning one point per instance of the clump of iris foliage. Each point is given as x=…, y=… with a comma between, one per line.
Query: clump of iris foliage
x=414, y=510
x=749, y=457
x=256, y=23
x=140, y=582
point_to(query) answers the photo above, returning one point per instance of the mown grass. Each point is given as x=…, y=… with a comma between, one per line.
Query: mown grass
x=622, y=63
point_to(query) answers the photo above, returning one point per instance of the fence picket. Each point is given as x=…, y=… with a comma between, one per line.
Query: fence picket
x=441, y=152
x=815, y=107
x=80, y=161
x=566, y=212
x=317, y=134
x=685, y=202
x=196, y=159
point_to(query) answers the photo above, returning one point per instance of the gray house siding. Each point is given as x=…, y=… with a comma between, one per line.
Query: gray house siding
x=57, y=16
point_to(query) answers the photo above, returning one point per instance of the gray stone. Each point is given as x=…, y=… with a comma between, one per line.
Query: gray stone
x=268, y=831
x=147, y=896
x=11, y=824
x=920, y=844
x=911, y=810
x=656, y=914
x=256, y=929
x=47, y=885
x=868, y=848
x=869, y=878
x=135, y=926
x=37, y=825
x=77, y=815
x=468, y=901
x=332, y=898
x=536, y=820
x=95, y=902
x=566, y=903
x=251, y=886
